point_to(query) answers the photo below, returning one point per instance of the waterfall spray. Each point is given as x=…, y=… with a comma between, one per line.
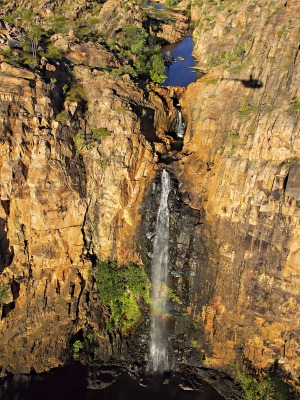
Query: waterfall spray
x=179, y=125
x=159, y=295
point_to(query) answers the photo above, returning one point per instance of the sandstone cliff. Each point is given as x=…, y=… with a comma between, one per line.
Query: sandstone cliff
x=79, y=184
x=240, y=165
x=78, y=150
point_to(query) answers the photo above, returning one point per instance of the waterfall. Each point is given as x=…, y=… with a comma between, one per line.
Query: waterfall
x=179, y=125
x=159, y=295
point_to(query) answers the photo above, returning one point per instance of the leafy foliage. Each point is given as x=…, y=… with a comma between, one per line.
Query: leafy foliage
x=267, y=389
x=80, y=141
x=62, y=117
x=295, y=105
x=77, y=347
x=122, y=289
x=174, y=297
x=98, y=133
x=137, y=56
x=171, y=3
x=3, y=294
x=18, y=58
x=90, y=334
x=76, y=93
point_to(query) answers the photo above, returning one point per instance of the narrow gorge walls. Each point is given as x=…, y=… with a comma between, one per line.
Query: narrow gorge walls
x=80, y=173
x=191, y=275
x=241, y=163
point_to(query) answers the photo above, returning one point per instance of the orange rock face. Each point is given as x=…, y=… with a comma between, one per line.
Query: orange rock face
x=241, y=164
x=63, y=205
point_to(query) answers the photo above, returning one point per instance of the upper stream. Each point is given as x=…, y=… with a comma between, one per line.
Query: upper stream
x=181, y=71
x=158, y=6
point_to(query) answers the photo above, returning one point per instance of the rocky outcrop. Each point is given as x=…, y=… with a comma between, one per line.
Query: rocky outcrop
x=42, y=213
x=77, y=155
x=240, y=166
x=78, y=162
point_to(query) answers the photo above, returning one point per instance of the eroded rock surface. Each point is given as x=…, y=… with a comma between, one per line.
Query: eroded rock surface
x=65, y=204
x=240, y=162
x=235, y=228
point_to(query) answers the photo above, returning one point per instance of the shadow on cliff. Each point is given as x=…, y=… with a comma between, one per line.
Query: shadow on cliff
x=251, y=83
x=6, y=251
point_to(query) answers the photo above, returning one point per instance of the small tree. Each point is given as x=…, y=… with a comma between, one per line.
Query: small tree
x=3, y=294
x=157, y=68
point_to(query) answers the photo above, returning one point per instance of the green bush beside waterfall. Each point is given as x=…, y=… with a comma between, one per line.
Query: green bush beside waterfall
x=123, y=289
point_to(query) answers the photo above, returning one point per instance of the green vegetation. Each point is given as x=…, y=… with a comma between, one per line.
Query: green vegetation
x=295, y=105
x=122, y=290
x=62, y=117
x=98, y=133
x=174, y=297
x=19, y=17
x=138, y=57
x=84, y=140
x=196, y=324
x=232, y=135
x=80, y=142
x=4, y=294
x=171, y=3
x=18, y=58
x=211, y=81
x=136, y=50
x=90, y=334
x=226, y=58
x=52, y=52
x=77, y=348
x=256, y=390
x=28, y=41
x=246, y=109
x=76, y=93
x=194, y=342
x=37, y=35
x=265, y=389
x=231, y=365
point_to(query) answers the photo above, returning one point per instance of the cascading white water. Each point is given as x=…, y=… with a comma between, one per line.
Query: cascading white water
x=159, y=295
x=179, y=125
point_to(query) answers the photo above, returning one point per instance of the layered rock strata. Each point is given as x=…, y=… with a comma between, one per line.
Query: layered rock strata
x=65, y=204
x=235, y=228
x=240, y=164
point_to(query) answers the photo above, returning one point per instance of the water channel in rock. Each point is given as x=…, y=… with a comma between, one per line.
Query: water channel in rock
x=159, y=295
x=158, y=6
x=181, y=70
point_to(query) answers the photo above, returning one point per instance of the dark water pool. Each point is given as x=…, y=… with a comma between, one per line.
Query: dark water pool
x=71, y=383
x=158, y=6
x=180, y=72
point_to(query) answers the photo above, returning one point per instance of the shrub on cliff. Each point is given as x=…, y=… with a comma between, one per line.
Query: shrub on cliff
x=171, y=3
x=3, y=294
x=77, y=348
x=265, y=389
x=122, y=290
x=139, y=57
x=98, y=133
x=80, y=141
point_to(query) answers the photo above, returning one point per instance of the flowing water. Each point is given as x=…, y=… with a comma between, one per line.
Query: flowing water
x=179, y=125
x=158, y=345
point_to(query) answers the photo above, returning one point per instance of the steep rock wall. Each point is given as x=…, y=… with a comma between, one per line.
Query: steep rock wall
x=70, y=196
x=240, y=161
x=59, y=207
